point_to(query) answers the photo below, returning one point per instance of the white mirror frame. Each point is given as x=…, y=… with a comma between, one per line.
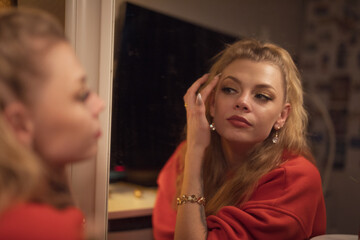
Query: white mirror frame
x=89, y=26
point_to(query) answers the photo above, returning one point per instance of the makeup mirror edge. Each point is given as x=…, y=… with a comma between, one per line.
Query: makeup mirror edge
x=90, y=25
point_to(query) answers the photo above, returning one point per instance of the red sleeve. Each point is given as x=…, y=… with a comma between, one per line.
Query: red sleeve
x=164, y=214
x=41, y=222
x=287, y=204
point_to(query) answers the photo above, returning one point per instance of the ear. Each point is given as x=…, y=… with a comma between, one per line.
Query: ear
x=282, y=117
x=19, y=119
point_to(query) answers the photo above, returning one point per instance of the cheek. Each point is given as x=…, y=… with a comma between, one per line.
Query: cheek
x=222, y=105
x=264, y=130
x=66, y=138
x=218, y=113
x=267, y=119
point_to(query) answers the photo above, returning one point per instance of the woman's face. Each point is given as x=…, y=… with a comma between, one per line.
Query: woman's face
x=65, y=112
x=249, y=102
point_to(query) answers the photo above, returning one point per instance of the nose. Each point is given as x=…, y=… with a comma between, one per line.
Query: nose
x=242, y=102
x=96, y=105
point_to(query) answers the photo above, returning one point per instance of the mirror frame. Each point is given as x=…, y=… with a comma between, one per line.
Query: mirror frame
x=90, y=25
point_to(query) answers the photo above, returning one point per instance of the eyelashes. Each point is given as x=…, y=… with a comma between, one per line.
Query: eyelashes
x=228, y=90
x=83, y=96
x=264, y=97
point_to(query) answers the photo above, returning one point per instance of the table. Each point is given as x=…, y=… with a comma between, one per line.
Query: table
x=123, y=202
x=130, y=210
x=336, y=237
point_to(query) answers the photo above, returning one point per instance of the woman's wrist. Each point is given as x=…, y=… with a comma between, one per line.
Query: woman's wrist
x=193, y=163
x=192, y=182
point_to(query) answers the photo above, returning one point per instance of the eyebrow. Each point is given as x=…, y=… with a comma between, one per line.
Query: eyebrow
x=257, y=86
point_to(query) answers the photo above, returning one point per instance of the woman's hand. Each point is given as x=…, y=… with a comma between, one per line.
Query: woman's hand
x=198, y=130
x=191, y=219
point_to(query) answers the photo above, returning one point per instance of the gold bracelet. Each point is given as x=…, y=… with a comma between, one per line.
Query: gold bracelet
x=190, y=198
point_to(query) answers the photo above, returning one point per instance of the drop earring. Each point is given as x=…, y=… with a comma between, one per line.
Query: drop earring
x=276, y=137
x=212, y=126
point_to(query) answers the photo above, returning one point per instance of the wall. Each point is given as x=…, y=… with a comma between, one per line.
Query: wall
x=330, y=63
x=279, y=21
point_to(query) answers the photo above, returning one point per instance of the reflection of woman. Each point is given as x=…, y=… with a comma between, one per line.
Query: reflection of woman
x=251, y=171
x=48, y=118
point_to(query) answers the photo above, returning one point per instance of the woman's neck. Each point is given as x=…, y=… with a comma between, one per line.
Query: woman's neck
x=55, y=172
x=235, y=153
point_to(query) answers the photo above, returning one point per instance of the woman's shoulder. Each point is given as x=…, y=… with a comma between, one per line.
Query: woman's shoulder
x=299, y=167
x=294, y=190
x=41, y=221
x=296, y=173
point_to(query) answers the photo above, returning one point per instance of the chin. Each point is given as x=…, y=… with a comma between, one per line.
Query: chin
x=91, y=153
x=84, y=157
x=230, y=136
x=241, y=140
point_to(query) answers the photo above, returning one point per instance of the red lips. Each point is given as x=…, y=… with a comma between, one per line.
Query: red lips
x=98, y=134
x=239, y=122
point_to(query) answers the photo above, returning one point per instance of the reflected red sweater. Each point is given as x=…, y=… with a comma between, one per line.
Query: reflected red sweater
x=30, y=221
x=287, y=204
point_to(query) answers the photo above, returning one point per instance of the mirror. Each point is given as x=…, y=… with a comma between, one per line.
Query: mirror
x=324, y=44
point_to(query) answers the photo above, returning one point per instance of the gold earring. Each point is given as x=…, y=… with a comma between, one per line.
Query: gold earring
x=276, y=137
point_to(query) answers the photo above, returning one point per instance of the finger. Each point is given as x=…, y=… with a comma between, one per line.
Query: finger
x=207, y=90
x=199, y=100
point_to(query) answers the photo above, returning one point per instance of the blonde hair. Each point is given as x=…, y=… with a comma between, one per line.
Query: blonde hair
x=19, y=168
x=236, y=188
x=25, y=36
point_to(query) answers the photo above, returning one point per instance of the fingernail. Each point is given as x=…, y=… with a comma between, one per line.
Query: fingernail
x=219, y=75
x=199, y=100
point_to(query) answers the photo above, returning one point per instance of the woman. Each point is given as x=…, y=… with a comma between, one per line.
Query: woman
x=48, y=118
x=245, y=170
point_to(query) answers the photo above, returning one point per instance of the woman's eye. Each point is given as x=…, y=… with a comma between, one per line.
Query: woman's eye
x=83, y=96
x=228, y=90
x=263, y=97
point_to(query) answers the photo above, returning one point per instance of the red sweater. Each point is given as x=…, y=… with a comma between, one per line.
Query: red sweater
x=30, y=221
x=287, y=204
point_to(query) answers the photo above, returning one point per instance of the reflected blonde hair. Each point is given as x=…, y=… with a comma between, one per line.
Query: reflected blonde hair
x=25, y=37
x=225, y=188
x=20, y=170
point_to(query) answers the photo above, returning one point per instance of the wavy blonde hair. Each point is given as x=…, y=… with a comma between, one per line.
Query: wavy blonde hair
x=25, y=36
x=236, y=189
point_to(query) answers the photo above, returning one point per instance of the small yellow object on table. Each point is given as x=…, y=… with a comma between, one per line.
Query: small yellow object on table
x=130, y=200
x=137, y=193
